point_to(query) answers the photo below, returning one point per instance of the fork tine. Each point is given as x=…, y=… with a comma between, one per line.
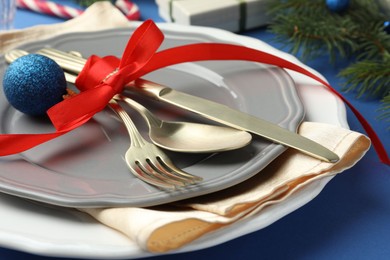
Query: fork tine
x=158, y=172
x=167, y=173
x=164, y=160
x=143, y=175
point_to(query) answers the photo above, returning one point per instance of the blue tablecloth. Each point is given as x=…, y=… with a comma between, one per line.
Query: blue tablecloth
x=350, y=219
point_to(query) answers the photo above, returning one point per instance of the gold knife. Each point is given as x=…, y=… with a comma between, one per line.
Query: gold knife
x=233, y=118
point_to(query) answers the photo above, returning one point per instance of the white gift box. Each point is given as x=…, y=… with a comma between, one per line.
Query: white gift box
x=231, y=15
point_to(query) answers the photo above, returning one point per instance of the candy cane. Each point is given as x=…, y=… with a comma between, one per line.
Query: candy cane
x=128, y=8
x=48, y=7
x=51, y=8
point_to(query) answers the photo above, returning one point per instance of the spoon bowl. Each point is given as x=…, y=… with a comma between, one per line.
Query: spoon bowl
x=189, y=137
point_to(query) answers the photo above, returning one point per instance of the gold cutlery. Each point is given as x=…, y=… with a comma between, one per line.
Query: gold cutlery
x=233, y=118
x=189, y=137
x=147, y=162
x=212, y=110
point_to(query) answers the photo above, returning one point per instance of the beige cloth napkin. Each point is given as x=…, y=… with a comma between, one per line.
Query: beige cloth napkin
x=168, y=227
x=99, y=16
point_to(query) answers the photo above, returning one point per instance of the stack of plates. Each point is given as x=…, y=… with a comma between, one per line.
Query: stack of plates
x=85, y=167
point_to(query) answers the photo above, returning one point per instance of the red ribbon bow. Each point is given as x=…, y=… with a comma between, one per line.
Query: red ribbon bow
x=102, y=78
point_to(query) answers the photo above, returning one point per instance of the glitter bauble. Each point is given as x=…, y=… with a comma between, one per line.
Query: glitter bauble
x=34, y=83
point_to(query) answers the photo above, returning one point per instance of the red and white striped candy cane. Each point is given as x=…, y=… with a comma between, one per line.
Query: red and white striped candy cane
x=48, y=7
x=129, y=9
x=51, y=8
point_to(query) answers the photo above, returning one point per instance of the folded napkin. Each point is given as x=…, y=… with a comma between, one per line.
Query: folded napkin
x=168, y=227
x=99, y=16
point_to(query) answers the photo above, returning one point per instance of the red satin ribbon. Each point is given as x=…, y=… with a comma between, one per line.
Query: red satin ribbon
x=141, y=57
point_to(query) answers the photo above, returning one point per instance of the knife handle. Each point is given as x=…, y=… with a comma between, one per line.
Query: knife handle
x=148, y=88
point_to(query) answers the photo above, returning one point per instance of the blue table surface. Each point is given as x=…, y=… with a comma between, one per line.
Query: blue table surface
x=350, y=219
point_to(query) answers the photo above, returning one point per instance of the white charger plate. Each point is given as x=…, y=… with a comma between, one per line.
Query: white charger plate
x=58, y=231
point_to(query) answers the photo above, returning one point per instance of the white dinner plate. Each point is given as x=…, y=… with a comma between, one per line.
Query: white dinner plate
x=60, y=231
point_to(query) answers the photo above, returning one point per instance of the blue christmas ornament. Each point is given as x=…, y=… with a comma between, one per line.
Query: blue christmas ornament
x=337, y=5
x=34, y=83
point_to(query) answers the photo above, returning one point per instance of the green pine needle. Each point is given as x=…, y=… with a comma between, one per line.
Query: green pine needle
x=87, y=3
x=310, y=30
x=368, y=77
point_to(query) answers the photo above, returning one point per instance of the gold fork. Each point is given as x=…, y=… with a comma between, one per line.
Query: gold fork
x=147, y=162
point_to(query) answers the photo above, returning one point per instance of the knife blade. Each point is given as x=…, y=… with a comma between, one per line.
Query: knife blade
x=227, y=116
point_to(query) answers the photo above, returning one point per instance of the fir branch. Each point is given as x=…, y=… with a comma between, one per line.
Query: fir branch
x=313, y=30
x=368, y=77
x=310, y=29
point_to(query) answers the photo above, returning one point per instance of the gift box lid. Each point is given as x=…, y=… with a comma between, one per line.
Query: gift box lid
x=232, y=15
